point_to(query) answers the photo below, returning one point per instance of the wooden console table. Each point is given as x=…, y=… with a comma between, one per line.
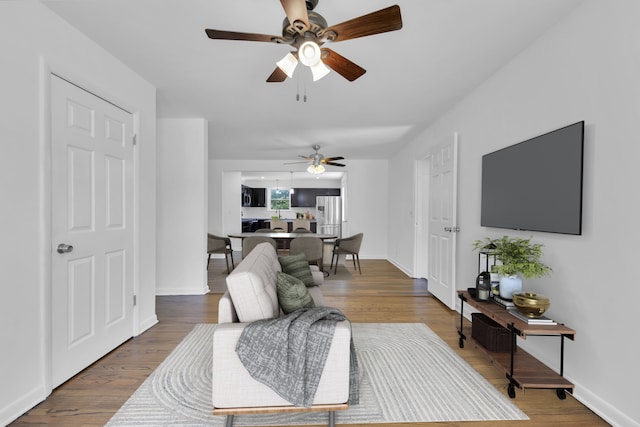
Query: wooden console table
x=521, y=369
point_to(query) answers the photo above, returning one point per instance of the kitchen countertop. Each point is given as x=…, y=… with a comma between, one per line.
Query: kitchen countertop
x=269, y=219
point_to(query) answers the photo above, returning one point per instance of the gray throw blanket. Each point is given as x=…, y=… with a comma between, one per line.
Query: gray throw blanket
x=288, y=354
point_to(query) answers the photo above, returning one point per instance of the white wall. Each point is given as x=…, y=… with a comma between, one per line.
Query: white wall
x=586, y=68
x=182, y=206
x=33, y=42
x=367, y=205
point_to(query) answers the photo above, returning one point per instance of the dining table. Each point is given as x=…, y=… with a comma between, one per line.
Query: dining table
x=283, y=236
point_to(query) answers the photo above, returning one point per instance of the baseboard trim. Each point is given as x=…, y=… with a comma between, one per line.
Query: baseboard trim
x=182, y=291
x=21, y=405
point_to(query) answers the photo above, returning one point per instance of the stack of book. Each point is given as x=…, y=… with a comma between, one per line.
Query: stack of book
x=542, y=320
x=505, y=303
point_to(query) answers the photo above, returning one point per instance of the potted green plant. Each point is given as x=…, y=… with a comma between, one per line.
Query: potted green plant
x=518, y=258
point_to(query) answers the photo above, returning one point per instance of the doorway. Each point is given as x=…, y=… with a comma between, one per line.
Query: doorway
x=436, y=215
x=91, y=228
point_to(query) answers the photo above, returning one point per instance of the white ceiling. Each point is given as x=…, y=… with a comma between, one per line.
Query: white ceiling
x=445, y=49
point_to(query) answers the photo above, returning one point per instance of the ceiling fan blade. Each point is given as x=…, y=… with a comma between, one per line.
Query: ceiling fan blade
x=297, y=15
x=277, y=76
x=382, y=21
x=335, y=164
x=331, y=159
x=308, y=158
x=293, y=163
x=250, y=37
x=341, y=65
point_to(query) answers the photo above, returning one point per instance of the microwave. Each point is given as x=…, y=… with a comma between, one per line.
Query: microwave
x=246, y=198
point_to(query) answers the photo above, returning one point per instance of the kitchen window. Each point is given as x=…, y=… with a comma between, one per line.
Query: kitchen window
x=279, y=199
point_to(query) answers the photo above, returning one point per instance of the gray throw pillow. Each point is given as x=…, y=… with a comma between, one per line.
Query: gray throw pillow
x=292, y=293
x=297, y=266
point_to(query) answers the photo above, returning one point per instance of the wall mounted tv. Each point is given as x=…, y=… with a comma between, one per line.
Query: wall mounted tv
x=536, y=185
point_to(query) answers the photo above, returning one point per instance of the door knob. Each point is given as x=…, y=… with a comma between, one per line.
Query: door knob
x=63, y=249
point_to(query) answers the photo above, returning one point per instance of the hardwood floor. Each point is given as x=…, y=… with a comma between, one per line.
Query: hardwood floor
x=381, y=294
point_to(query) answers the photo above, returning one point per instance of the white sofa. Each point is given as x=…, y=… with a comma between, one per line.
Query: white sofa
x=252, y=296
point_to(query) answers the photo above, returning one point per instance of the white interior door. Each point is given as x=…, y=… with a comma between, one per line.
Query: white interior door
x=442, y=222
x=422, y=218
x=92, y=213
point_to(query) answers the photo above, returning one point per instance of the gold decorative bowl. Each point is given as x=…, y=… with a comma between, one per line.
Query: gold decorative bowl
x=530, y=304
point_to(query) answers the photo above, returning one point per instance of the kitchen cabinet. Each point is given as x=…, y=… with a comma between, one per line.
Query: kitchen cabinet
x=306, y=197
x=258, y=197
x=248, y=225
x=253, y=197
x=253, y=224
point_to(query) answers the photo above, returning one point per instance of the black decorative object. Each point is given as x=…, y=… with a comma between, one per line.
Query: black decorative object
x=483, y=286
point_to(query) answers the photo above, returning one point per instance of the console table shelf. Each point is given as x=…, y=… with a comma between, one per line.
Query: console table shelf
x=521, y=369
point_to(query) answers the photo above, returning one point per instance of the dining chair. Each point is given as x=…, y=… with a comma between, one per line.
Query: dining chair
x=220, y=245
x=301, y=223
x=279, y=223
x=311, y=247
x=248, y=243
x=347, y=246
x=301, y=230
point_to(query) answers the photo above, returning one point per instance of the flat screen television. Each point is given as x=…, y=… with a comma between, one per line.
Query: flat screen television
x=536, y=185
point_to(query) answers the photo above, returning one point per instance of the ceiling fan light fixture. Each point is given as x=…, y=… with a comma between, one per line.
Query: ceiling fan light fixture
x=288, y=64
x=319, y=71
x=309, y=53
x=315, y=169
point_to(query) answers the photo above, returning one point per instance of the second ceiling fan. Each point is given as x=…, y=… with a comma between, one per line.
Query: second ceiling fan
x=317, y=161
x=306, y=30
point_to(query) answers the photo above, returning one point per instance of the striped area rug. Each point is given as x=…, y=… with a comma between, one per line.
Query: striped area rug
x=408, y=374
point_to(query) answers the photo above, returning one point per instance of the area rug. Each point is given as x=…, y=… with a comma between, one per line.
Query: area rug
x=408, y=374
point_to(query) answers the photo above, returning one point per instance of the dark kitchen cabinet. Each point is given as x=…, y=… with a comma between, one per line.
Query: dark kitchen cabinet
x=253, y=197
x=306, y=197
x=258, y=197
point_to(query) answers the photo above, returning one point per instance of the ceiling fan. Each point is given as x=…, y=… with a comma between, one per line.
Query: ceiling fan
x=306, y=31
x=317, y=161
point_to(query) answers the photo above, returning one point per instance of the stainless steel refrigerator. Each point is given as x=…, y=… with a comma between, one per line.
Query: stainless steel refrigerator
x=329, y=215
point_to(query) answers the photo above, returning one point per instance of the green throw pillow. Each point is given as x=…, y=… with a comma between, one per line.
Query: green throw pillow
x=292, y=293
x=297, y=266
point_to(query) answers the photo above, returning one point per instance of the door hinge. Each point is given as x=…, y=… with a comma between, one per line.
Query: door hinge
x=135, y=300
x=135, y=139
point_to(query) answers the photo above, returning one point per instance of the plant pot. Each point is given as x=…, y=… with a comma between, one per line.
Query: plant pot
x=510, y=285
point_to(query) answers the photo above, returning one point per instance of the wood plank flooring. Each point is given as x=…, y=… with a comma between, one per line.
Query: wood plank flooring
x=381, y=294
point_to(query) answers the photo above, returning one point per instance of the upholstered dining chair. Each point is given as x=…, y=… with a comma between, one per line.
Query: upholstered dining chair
x=248, y=243
x=301, y=223
x=220, y=245
x=301, y=230
x=347, y=246
x=310, y=246
x=279, y=224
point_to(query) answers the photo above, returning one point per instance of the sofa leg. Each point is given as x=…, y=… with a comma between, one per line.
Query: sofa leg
x=332, y=419
x=229, y=422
